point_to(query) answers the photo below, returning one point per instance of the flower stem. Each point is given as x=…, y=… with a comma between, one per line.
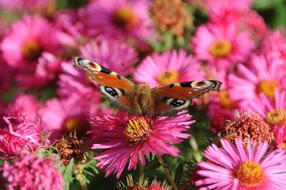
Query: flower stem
x=141, y=170
x=167, y=172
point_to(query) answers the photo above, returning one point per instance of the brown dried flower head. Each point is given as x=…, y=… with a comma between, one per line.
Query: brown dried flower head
x=68, y=148
x=170, y=15
x=248, y=126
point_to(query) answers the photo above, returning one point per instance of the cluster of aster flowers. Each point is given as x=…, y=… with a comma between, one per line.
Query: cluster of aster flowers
x=58, y=132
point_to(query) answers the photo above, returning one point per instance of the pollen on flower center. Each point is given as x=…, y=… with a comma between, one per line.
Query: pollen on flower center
x=276, y=117
x=225, y=100
x=32, y=50
x=168, y=77
x=137, y=130
x=124, y=18
x=220, y=48
x=249, y=174
x=267, y=87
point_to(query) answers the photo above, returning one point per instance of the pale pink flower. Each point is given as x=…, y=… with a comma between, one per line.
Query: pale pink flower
x=263, y=75
x=61, y=116
x=26, y=105
x=234, y=166
x=33, y=51
x=272, y=111
x=126, y=137
x=17, y=136
x=219, y=8
x=115, y=55
x=31, y=172
x=222, y=44
x=168, y=67
x=118, y=18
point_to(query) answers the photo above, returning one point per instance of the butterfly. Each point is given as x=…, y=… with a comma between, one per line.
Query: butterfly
x=142, y=99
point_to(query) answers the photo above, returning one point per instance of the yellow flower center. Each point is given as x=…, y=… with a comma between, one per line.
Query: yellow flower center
x=32, y=50
x=168, y=77
x=78, y=124
x=137, y=130
x=267, y=87
x=276, y=117
x=225, y=100
x=283, y=144
x=249, y=174
x=220, y=48
x=125, y=18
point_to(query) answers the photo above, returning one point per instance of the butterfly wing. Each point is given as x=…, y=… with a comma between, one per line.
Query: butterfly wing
x=178, y=96
x=115, y=87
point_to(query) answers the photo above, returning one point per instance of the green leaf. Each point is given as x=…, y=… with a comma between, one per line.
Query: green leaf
x=68, y=174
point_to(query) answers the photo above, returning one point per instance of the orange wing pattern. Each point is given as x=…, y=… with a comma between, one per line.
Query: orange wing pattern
x=187, y=90
x=104, y=76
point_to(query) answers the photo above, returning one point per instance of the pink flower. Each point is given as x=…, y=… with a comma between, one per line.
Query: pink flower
x=68, y=115
x=280, y=136
x=232, y=166
x=221, y=105
x=127, y=137
x=222, y=44
x=115, y=55
x=219, y=116
x=168, y=67
x=274, y=42
x=33, y=51
x=263, y=75
x=76, y=81
x=26, y=105
x=31, y=172
x=273, y=111
x=71, y=28
x=23, y=5
x=118, y=18
x=19, y=135
x=219, y=8
x=155, y=187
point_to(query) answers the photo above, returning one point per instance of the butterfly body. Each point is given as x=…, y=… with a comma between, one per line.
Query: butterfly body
x=142, y=99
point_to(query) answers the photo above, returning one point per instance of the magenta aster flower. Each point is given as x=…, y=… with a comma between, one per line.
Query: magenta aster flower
x=219, y=8
x=19, y=136
x=273, y=111
x=118, y=18
x=274, y=42
x=232, y=166
x=22, y=5
x=168, y=67
x=126, y=138
x=115, y=55
x=33, y=50
x=68, y=115
x=280, y=136
x=264, y=75
x=26, y=105
x=31, y=172
x=76, y=81
x=222, y=44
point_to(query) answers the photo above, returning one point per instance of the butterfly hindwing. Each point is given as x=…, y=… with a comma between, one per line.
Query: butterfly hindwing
x=187, y=90
x=178, y=96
